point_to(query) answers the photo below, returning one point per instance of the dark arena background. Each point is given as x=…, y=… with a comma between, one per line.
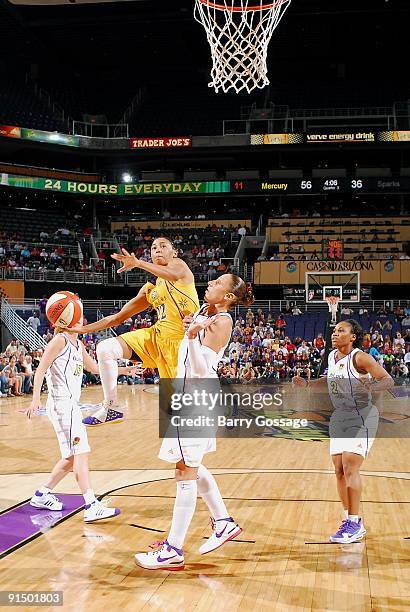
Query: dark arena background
x=110, y=137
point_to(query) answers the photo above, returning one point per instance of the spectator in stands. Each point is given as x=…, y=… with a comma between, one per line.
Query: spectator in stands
x=4, y=383
x=346, y=310
x=374, y=353
x=398, y=342
x=24, y=368
x=14, y=380
x=281, y=324
x=35, y=253
x=34, y=321
x=12, y=347
x=398, y=312
x=387, y=327
x=47, y=336
x=366, y=344
x=25, y=253
x=376, y=327
x=43, y=236
x=400, y=369
x=242, y=231
x=296, y=310
x=247, y=373
x=319, y=342
x=405, y=323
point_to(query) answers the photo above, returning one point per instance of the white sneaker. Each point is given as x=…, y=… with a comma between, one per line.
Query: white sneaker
x=166, y=557
x=224, y=531
x=48, y=501
x=98, y=511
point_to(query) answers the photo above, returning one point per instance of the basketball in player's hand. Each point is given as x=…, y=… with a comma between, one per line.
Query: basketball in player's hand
x=64, y=309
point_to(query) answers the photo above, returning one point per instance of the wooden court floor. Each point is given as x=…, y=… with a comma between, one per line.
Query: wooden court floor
x=281, y=491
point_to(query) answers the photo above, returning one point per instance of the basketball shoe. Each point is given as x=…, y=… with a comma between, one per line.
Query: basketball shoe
x=224, y=530
x=46, y=501
x=166, y=557
x=105, y=414
x=98, y=511
x=348, y=532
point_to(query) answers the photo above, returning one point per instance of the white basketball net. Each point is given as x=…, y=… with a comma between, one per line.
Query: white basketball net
x=333, y=303
x=239, y=32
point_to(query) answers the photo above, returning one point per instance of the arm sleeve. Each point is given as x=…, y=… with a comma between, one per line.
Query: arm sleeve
x=201, y=358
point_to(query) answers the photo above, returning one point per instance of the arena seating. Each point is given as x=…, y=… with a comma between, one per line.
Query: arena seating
x=19, y=105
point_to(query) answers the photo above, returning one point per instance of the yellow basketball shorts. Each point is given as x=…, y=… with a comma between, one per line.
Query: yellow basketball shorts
x=155, y=350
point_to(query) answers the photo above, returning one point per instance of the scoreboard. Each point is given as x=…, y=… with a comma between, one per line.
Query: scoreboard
x=142, y=189
x=322, y=185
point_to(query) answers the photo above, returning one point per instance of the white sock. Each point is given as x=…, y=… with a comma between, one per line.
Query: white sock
x=354, y=518
x=208, y=490
x=184, y=509
x=44, y=490
x=89, y=497
x=345, y=513
x=108, y=351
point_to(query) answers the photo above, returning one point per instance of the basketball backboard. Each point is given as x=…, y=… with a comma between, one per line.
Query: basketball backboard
x=343, y=285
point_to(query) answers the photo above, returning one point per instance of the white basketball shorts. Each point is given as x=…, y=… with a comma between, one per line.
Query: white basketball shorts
x=353, y=432
x=66, y=418
x=190, y=450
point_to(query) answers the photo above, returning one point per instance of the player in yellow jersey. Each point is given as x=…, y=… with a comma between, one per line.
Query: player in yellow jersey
x=173, y=296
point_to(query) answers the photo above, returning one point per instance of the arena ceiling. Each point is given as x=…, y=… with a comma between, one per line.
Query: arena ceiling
x=130, y=43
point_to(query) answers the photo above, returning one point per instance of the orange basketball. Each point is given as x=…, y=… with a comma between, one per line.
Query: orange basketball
x=64, y=309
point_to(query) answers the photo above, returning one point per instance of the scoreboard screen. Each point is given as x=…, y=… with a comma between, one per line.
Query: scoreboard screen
x=322, y=185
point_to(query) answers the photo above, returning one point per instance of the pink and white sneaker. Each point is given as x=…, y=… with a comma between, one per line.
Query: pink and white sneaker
x=224, y=530
x=166, y=557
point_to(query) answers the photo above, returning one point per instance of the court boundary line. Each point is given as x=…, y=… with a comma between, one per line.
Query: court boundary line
x=113, y=491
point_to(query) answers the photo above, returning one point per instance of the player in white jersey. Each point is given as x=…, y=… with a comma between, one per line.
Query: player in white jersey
x=62, y=363
x=352, y=376
x=206, y=339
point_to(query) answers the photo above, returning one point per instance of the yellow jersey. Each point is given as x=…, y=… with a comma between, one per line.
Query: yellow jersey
x=172, y=301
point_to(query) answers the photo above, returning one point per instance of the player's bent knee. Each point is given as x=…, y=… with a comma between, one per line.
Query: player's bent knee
x=109, y=349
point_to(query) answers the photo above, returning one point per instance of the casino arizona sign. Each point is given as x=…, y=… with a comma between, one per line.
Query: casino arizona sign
x=339, y=266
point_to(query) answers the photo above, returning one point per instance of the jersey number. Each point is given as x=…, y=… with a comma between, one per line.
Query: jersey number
x=333, y=387
x=78, y=370
x=161, y=312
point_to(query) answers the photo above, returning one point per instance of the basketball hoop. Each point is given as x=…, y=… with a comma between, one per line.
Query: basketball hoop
x=333, y=303
x=239, y=32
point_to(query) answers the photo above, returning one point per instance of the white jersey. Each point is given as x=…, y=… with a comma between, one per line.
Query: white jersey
x=184, y=370
x=345, y=383
x=65, y=375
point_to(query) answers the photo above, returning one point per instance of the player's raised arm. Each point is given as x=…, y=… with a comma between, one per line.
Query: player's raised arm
x=201, y=355
x=165, y=262
x=133, y=307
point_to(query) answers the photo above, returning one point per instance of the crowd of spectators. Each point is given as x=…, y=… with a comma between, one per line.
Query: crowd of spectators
x=260, y=349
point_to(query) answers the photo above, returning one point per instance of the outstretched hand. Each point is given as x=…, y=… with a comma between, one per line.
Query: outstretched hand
x=195, y=328
x=32, y=410
x=135, y=370
x=186, y=321
x=128, y=260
